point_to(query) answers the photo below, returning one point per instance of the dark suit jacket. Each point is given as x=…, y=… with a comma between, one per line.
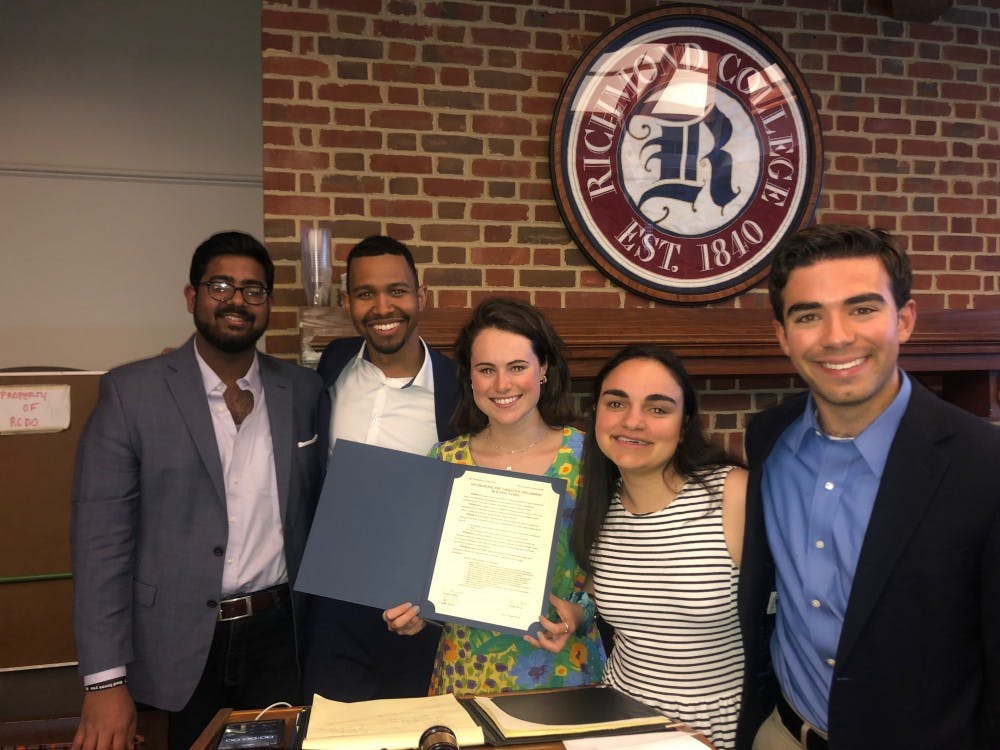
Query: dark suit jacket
x=149, y=516
x=918, y=663
x=350, y=654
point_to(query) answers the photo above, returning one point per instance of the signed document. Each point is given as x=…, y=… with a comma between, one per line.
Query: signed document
x=495, y=548
x=394, y=724
x=467, y=544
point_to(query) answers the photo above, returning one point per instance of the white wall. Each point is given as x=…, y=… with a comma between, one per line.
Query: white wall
x=130, y=130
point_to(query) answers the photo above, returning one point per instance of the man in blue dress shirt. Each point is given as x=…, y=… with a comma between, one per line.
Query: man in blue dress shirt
x=870, y=585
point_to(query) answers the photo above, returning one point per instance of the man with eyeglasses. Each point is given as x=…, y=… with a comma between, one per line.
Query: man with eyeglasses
x=195, y=486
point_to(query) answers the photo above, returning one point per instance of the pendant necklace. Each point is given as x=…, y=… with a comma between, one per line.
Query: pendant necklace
x=501, y=449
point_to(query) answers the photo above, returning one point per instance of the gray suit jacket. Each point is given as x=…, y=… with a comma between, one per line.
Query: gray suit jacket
x=149, y=522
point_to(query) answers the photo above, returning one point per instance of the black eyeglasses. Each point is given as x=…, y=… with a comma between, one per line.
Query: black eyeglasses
x=223, y=291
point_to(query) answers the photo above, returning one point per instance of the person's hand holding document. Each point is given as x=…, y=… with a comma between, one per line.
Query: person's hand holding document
x=455, y=542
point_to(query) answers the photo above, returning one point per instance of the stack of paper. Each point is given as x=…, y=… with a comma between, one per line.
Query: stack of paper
x=394, y=724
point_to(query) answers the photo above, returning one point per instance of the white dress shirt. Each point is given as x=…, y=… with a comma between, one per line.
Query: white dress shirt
x=255, y=552
x=396, y=413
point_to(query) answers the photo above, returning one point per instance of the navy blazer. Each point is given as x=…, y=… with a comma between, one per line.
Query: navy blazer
x=918, y=663
x=350, y=655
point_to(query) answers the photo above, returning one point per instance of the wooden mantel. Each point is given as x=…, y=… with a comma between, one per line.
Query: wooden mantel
x=962, y=346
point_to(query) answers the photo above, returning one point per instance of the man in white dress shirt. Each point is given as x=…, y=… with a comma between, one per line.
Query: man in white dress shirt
x=386, y=388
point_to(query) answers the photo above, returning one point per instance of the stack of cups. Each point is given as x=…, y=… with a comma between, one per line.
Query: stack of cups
x=316, y=270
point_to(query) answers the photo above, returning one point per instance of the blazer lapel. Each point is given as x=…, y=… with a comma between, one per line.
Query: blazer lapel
x=278, y=394
x=913, y=472
x=183, y=378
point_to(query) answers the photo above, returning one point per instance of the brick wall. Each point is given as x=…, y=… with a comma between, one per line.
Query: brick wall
x=429, y=121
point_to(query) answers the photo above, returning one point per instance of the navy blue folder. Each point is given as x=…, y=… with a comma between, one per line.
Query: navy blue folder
x=378, y=525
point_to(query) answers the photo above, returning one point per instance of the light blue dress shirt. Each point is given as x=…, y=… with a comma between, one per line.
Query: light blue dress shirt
x=818, y=494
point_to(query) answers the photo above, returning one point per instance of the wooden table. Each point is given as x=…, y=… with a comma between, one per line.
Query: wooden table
x=210, y=736
x=57, y=733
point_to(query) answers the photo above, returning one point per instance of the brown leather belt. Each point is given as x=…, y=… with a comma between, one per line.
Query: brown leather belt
x=248, y=605
x=794, y=723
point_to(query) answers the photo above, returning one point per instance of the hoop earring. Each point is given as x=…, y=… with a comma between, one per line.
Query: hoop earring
x=544, y=379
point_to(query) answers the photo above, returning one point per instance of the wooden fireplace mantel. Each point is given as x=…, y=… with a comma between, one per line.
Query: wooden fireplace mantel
x=962, y=346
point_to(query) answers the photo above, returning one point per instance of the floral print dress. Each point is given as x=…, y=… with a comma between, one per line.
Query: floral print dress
x=471, y=660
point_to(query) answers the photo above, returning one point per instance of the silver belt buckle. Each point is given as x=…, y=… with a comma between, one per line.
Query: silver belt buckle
x=249, y=602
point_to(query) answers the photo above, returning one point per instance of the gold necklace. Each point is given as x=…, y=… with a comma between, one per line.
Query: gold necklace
x=500, y=449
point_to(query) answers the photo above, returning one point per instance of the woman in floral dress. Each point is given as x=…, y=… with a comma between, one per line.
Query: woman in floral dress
x=513, y=412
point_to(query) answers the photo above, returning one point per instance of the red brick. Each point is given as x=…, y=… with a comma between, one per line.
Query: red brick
x=501, y=37
x=488, y=124
x=296, y=205
x=546, y=278
x=358, y=93
x=389, y=29
x=960, y=205
x=277, y=88
x=924, y=148
x=499, y=277
x=348, y=206
x=400, y=73
x=543, y=213
x=274, y=135
x=415, y=209
x=931, y=70
x=345, y=183
x=969, y=91
x=437, y=187
x=858, y=64
x=509, y=168
x=499, y=212
x=295, y=66
x=590, y=300
x=288, y=159
x=497, y=256
x=888, y=125
x=960, y=263
x=401, y=119
x=447, y=299
x=283, y=181
x=295, y=21
x=851, y=181
x=593, y=279
x=547, y=299
x=955, y=281
x=358, y=139
x=883, y=203
x=843, y=103
x=280, y=42
x=889, y=85
x=847, y=144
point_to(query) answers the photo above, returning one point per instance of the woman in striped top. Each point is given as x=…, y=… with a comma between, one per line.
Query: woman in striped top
x=659, y=529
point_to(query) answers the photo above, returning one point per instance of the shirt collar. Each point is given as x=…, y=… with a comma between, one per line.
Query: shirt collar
x=874, y=441
x=213, y=383
x=424, y=377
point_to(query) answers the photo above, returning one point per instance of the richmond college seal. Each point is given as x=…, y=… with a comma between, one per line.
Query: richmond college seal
x=684, y=148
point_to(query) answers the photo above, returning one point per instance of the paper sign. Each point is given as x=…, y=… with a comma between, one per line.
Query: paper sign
x=34, y=408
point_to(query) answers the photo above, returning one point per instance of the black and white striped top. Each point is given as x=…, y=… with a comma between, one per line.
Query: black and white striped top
x=667, y=584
